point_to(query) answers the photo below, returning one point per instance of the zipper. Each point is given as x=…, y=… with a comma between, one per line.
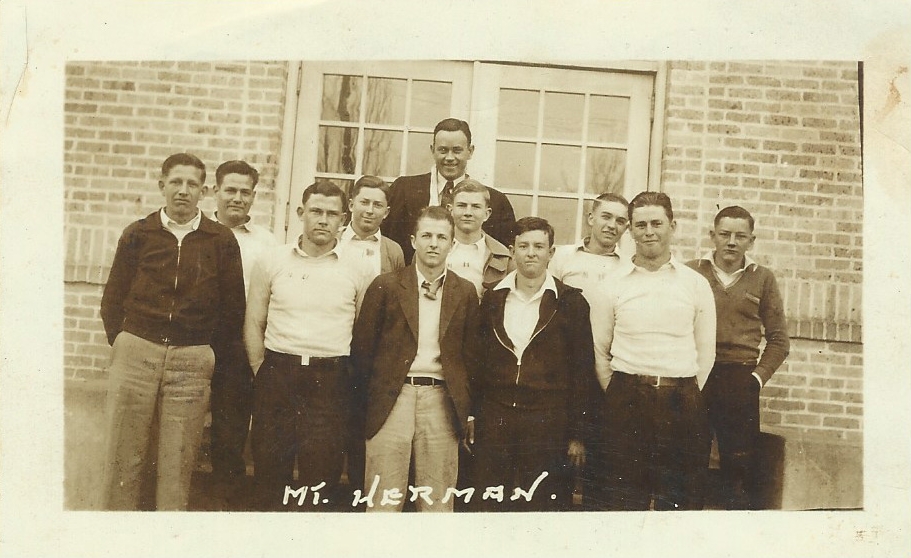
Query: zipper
x=518, y=358
x=174, y=296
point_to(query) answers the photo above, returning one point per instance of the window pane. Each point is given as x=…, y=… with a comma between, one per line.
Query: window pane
x=560, y=168
x=386, y=101
x=336, y=150
x=518, y=113
x=431, y=101
x=419, y=160
x=605, y=170
x=521, y=205
x=563, y=116
x=341, y=98
x=515, y=165
x=382, y=152
x=608, y=119
x=561, y=214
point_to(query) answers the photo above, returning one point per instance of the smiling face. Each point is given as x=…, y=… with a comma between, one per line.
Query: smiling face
x=451, y=153
x=652, y=231
x=368, y=209
x=469, y=211
x=532, y=252
x=182, y=188
x=608, y=221
x=234, y=198
x=432, y=240
x=732, y=238
x=321, y=216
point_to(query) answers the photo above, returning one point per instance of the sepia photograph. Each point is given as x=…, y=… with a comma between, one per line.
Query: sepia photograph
x=622, y=288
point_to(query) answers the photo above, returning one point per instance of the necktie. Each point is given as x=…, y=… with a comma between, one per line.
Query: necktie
x=430, y=289
x=446, y=194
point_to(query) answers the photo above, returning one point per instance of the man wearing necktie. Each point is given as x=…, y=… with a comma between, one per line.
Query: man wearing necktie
x=451, y=150
x=368, y=205
x=410, y=352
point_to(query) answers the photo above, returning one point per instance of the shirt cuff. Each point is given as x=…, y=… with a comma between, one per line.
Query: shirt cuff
x=758, y=378
x=470, y=418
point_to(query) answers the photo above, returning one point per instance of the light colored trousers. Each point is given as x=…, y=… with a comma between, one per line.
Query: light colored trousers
x=148, y=383
x=420, y=425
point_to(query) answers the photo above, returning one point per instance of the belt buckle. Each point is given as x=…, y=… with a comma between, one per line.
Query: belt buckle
x=654, y=381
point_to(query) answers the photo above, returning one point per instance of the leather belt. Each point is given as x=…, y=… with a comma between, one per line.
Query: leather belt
x=657, y=381
x=424, y=381
x=310, y=361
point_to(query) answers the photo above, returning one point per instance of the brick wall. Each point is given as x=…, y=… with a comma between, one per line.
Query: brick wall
x=782, y=139
x=122, y=119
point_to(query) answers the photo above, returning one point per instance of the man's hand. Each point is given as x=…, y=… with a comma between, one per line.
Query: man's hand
x=468, y=440
x=576, y=452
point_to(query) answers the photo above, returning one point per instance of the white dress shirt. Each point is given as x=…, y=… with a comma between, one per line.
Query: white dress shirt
x=728, y=279
x=437, y=183
x=253, y=241
x=577, y=267
x=427, y=360
x=468, y=261
x=367, y=248
x=178, y=230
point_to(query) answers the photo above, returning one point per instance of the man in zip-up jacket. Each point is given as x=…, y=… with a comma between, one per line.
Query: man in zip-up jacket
x=535, y=382
x=174, y=298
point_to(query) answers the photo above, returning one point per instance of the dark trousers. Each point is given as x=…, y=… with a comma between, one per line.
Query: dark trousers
x=654, y=447
x=232, y=407
x=299, y=413
x=732, y=401
x=512, y=448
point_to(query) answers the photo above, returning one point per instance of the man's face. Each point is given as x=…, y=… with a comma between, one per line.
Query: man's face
x=532, y=252
x=182, y=188
x=368, y=209
x=431, y=242
x=469, y=211
x=652, y=231
x=608, y=222
x=451, y=153
x=732, y=238
x=234, y=198
x=321, y=216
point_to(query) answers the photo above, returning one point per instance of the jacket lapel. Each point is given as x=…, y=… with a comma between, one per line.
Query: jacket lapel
x=546, y=310
x=448, y=304
x=408, y=298
x=499, y=298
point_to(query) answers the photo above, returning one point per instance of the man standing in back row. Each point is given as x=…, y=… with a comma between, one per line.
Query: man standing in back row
x=749, y=306
x=451, y=150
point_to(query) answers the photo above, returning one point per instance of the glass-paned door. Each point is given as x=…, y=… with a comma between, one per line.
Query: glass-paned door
x=357, y=118
x=557, y=137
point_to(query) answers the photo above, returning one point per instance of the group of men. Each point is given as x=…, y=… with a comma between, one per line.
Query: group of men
x=492, y=371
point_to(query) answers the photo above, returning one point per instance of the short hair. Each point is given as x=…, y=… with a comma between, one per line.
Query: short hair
x=324, y=188
x=368, y=181
x=643, y=199
x=609, y=196
x=452, y=125
x=186, y=159
x=526, y=224
x=734, y=212
x=436, y=213
x=473, y=186
x=236, y=167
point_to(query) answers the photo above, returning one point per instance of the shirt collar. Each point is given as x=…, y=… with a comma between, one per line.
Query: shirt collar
x=481, y=244
x=439, y=182
x=349, y=234
x=509, y=282
x=167, y=222
x=241, y=227
x=748, y=262
x=580, y=247
x=421, y=278
x=334, y=251
x=628, y=266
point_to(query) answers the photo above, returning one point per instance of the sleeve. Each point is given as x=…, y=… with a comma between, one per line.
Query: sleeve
x=704, y=328
x=585, y=385
x=502, y=222
x=395, y=225
x=398, y=258
x=228, y=333
x=602, y=328
x=120, y=280
x=258, y=310
x=778, y=344
x=364, y=339
x=479, y=362
x=472, y=345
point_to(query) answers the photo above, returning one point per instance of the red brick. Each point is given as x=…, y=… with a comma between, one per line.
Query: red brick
x=841, y=422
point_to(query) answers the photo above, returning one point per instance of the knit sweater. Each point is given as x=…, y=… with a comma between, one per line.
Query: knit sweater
x=746, y=310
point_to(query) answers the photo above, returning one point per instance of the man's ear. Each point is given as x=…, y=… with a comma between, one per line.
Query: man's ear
x=487, y=214
x=300, y=212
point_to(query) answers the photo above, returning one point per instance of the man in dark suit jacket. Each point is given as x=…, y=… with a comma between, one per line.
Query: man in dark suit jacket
x=410, y=353
x=451, y=149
